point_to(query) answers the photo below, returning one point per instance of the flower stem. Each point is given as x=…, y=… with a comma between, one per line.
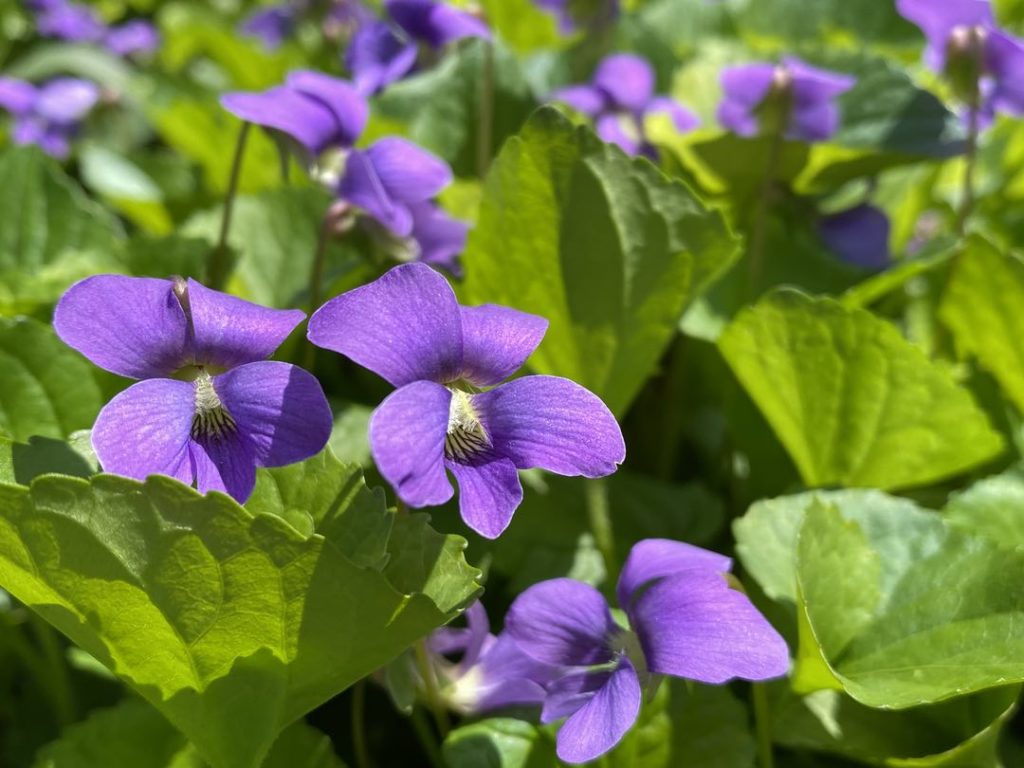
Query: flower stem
x=359, y=725
x=430, y=688
x=316, y=279
x=971, y=162
x=765, y=756
x=59, y=681
x=217, y=269
x=426, y=738
x=759, y=231
x=599, y=514
x=486, y=111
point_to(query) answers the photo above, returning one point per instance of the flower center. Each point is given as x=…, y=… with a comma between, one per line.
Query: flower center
x=211, y=419
x=466, y=436
x=626, y=643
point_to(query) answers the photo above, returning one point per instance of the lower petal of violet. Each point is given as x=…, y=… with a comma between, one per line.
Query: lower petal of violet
x=225, y=463
x=145, y=430
x=604, y=719
x=489, y=493
x=552, y=423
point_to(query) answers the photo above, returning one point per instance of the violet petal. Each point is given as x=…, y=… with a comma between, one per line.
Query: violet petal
x=603, y=720
x=489, y=493
x=377, y=57
x=627, y=79
x=496, y=341
x=652, y=559
x=435, y=23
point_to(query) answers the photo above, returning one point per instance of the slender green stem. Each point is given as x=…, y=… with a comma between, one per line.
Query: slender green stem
x=427, y=741
x=675, y=371
x=363, y=759
x=57, y=669
x=217, y=269
x=759, y=232
x=316, y=279
x=485, y=136
x=433, y=694
x=762, y=723
x=599, y=514
x=971, y=162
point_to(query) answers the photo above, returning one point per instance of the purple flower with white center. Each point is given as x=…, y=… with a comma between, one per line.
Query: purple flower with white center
x=620, y=98
x=132, y=38
x=315, y=111
x=271, y=25
x=391, y=178
x=684, y=620
x=984, y=63
x=573, y=15
x=408, y=328
x=384, y=52
x=68, y=21
x=491, y=672
x=791, y=98
x=49, y=115
x=210, y=407
x=858, y=235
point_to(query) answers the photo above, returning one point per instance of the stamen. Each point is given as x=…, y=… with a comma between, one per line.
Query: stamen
x=466, y=436
x=211, y=419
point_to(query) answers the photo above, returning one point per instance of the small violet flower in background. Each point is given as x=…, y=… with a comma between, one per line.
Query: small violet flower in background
x=858, y=236
x=490, y=673
x=314, y=111
x=132, y=38
x=984, y=63
x=272, y=24
x=209, y=407
x=383, y=52
x=78, y=23
x=791, y=98
x=575, y=16
x=684, y=620
x=393, y=181
x=620, y=98
x=408, y=328
x=49, y=115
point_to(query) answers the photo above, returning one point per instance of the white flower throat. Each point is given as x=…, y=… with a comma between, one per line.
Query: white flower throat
x=466, y=436
x=211, y=419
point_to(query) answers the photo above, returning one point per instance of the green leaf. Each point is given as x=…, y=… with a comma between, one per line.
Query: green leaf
x=47, y=388
x=794, y=21
x=932, y=257
x=51, y=234
x=50, y=59
x=993, y=508
x=603, y=245
x=522, y=24
x=853, y=402
x=441, y=107
x=981, y=306
x=500, y=742
x=710, y=727
x=135, y=734
x=167, y=256
x=898, y=607
x=22, y=463
x=233, y=625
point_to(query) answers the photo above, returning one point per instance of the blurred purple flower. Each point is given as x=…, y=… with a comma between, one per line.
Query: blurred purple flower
x=858, y=235
x=383, y=52
x=210, y=408
x=408, y=328
x=436, y=237
x=491, y=672
x=271, y=25
x=49, y=115
x=965, y=43
x=620, y=98
x=70, y=21
x=573, y=15
x=312, y=109
x=133, y=37
x=794, y=97
x=684, y=620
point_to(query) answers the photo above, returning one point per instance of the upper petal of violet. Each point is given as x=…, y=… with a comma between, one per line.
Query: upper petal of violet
x=404, y=326
x=407, y=433
x=628, y=81
x=562, y=621
x=652, y=559
x=585, y=99
x=552, y=423
x=439, y=237
x=230, y=331
x=345, y=103
x=377, y=57
x=496, y=341
x=1004, y=56
x=938, y=20
x=307, y=121
x=694, y=625
x=435, y=23
x=131, y=326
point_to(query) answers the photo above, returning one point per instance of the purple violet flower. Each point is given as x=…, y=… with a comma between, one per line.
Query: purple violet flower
x=793, y=98
x=70, y=21
x=982, y=61
x=271, y=25
x=684, y=620
x=437, y=239
x=858, y=236
x=619, y=99
x=49, y=115
x=314, y=110
x=382, y=52
x=572, y=17
x=408, y=328
x=491, y=672
x=133, y=37
x=210, y=407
